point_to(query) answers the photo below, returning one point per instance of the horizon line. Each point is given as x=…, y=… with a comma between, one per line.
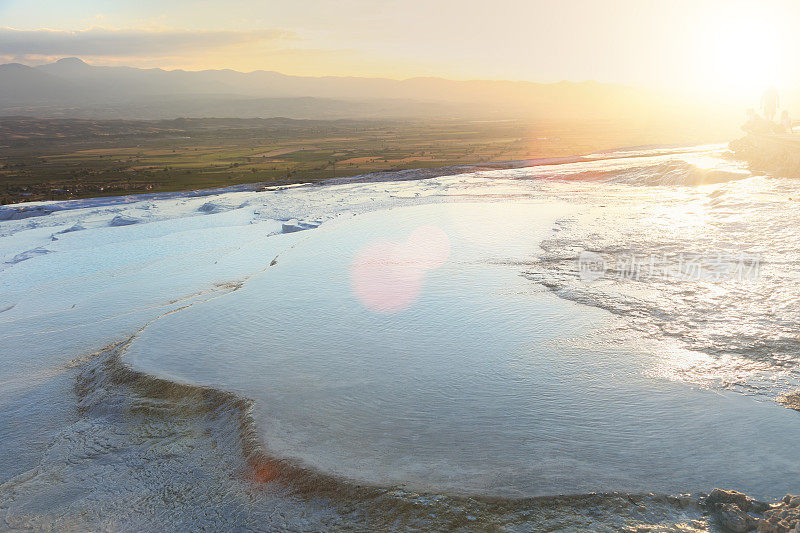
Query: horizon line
x=261, y=70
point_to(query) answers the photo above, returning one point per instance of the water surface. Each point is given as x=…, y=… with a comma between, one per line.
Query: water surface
x=485, y=383
x=424, y=354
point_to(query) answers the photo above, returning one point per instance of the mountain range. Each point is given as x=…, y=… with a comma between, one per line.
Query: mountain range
x=71, y=87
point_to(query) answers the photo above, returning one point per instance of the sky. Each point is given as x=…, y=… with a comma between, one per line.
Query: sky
x=715, y=45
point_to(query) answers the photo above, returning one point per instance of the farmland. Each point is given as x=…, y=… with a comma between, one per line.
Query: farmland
x=58, y=159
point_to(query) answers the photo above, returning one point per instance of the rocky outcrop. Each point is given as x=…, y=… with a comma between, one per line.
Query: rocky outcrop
x=783, y=517
x=791, y=400
x=776, y=154
x=737, y=513
x=719, y=496
x=733, y=510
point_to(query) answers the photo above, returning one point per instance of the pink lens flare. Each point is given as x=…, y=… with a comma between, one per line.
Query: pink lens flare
x=387, y=277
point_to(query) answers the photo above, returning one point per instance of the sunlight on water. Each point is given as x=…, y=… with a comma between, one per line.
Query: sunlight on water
x=621, y=322
x=477, y=382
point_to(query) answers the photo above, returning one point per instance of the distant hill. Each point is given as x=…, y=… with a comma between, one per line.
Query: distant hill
x=260, y=83
x=27, y=84
x=71, y=88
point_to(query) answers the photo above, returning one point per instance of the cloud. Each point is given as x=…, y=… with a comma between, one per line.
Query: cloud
x=103, y=42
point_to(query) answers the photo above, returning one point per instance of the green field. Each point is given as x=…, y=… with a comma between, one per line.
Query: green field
x=65, y=158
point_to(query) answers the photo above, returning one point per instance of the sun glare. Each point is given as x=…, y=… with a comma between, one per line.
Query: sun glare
x=742, y=52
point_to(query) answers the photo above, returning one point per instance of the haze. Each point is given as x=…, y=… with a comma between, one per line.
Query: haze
x=736, y=48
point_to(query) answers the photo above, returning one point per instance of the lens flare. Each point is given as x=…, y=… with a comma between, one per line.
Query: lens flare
x=387, y=277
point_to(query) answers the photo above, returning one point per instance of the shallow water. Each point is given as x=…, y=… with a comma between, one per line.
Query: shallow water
x=484, y=384
x=431, y=356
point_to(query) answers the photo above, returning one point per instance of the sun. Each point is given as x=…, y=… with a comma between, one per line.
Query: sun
x=742, y=52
